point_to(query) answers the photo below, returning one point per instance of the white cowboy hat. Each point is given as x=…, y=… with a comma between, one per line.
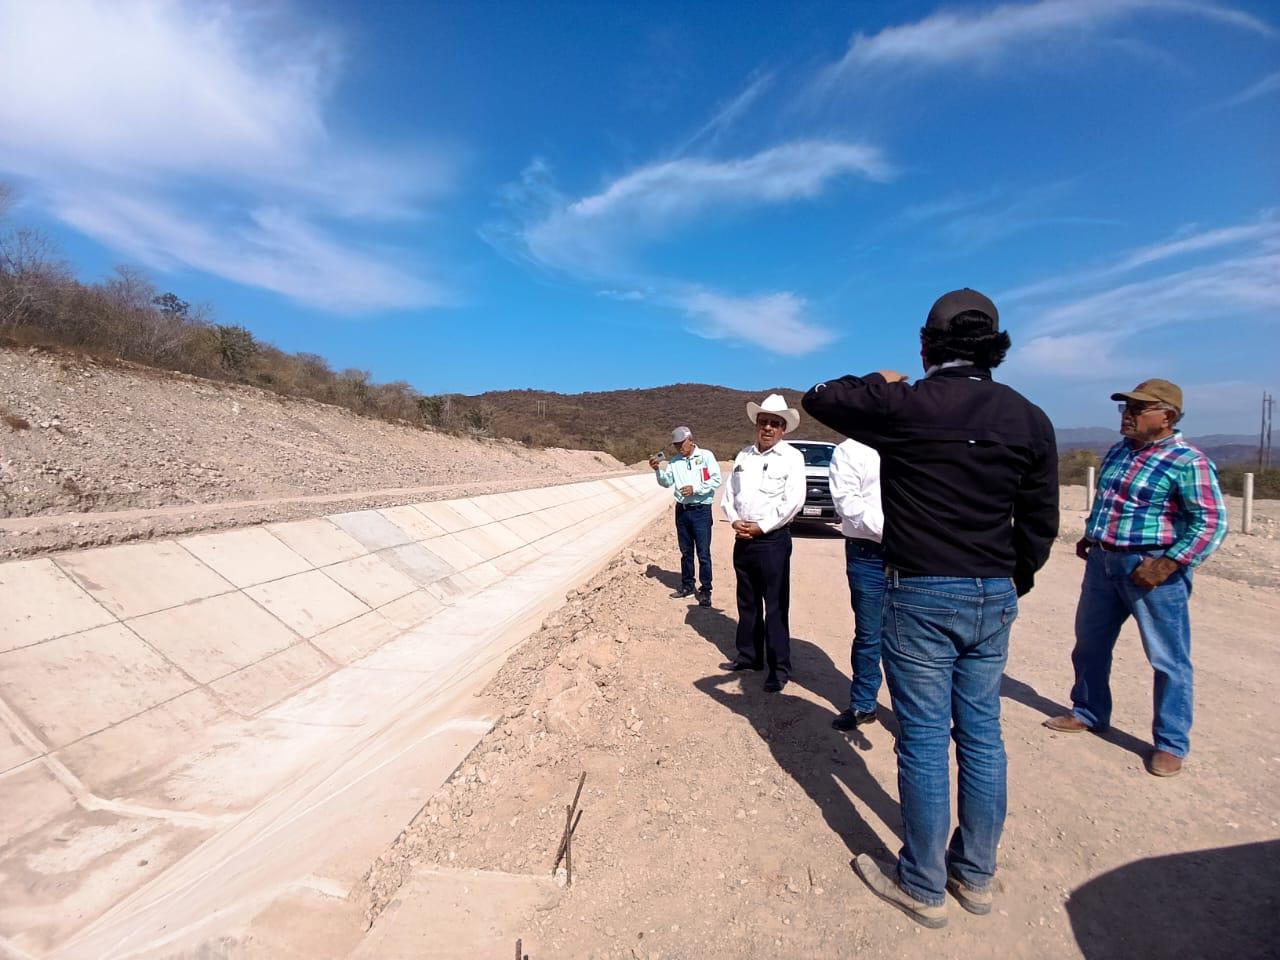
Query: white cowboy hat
x=774, y=403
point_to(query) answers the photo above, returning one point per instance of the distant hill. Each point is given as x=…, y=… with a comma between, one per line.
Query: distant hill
x=631, y=424
x=1087, y=438
x=1224, y=449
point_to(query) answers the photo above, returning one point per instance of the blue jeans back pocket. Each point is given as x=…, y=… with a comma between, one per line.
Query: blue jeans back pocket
x=920, y=632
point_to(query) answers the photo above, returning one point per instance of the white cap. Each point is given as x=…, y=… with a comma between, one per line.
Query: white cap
x=681, y=434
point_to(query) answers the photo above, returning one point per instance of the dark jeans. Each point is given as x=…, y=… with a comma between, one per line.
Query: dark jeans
x=693, y=530
x=1107, y=599
x=763, y=567
x=864, y=565
x=945, y=642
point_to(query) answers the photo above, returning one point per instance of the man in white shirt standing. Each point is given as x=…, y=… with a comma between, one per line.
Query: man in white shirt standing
x=765, y=492
x=695, y=475
x=855, y=490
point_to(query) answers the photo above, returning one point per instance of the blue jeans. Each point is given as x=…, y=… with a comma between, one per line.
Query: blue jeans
x=864, y=566
x=1107, y=599
x=693, y=530
x=946, y=640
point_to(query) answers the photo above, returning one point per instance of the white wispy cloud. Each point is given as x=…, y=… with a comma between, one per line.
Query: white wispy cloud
x=990, y=36
x=974, y=219
x=600, y=232
x=1265, y=231
x=600, y=238
x=267, y=247
x=662, y=195
x=1267, y=85
x=196, y=134
x=1095, y=324
x=774, y=321
x=1208, y=293
x=728, y=114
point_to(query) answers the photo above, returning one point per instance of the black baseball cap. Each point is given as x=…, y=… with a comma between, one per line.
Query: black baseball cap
x=951, y=305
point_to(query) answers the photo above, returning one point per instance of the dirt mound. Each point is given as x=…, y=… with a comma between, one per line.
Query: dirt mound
x=81, y=436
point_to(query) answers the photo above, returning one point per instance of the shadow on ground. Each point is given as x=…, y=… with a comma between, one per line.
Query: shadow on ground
x=826, y=764
x=1221, y=902
x=1028, y=696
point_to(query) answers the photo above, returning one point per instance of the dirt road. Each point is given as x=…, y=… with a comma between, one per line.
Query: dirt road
x=719, y=822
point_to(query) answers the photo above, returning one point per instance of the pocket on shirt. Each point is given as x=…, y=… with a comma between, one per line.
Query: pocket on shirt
x=921, y=632
x=772, y=486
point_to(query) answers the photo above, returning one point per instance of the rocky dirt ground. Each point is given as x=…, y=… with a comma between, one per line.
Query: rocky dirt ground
x=719, y=822
x=84, y=459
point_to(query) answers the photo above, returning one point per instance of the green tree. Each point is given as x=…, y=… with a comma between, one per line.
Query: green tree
x=236, y=347
x=1073, y=466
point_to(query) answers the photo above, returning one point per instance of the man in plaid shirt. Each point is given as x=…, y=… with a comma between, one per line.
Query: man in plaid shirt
x=1158, y=514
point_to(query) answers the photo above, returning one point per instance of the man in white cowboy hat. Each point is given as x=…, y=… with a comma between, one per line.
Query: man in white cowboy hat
x=695, y=475
x=765, y=492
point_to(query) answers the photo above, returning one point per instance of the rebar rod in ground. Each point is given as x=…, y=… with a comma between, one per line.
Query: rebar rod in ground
x=568, y=851
x=564, y=838
x=563, y=850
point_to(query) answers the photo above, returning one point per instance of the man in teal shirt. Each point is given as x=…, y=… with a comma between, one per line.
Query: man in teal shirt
x=695, y=475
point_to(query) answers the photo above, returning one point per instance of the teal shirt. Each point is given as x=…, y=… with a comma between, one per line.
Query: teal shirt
x=698, y=470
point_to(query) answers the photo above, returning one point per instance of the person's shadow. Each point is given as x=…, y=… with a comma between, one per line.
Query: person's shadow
x=824, y=762
x=1223, y=902
x=669, y=578
x=1028, y=696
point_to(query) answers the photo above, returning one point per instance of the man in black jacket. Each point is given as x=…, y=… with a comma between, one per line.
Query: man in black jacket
x=969, y=484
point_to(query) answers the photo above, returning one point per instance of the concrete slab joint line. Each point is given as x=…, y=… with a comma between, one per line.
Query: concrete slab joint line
x=91, y=801
x=313, y=653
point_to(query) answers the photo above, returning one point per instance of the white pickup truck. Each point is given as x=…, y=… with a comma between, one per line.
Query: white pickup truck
x=817, y=472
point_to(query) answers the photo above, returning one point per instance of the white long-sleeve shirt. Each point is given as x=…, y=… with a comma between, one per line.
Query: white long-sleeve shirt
x=766, y=488
x=855, y=490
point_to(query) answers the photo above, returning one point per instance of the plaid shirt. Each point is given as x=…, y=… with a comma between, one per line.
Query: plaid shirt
x=1164, y=494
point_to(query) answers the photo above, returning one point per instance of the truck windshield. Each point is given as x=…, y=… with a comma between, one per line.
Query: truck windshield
x=815, y=454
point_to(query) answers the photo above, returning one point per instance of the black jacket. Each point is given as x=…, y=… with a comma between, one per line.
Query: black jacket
x=968, y=470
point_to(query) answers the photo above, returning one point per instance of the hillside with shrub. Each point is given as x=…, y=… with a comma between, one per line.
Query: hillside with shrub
x=632, y=424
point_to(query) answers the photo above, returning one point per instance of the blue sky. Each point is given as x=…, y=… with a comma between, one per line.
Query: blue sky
x=474, y=196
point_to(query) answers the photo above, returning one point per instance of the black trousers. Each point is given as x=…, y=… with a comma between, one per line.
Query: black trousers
x=763, y=567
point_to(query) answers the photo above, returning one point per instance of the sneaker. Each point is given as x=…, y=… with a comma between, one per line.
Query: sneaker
x=848, y=720
x=682, y=593
x=883, y=881
x=975, y=901
x=704, y=598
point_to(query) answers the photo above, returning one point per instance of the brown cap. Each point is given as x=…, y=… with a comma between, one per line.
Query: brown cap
x=1154, y=391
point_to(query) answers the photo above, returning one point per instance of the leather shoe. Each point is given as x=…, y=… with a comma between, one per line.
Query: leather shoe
x=1067, y=723
x=774, y=686
x=1162, y=763
x=681, y=594
x=704, y=598
x=848, y=720
x=733, y=666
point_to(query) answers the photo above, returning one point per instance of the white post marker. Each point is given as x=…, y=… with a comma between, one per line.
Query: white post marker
x=1247, y=519
x=1089, y=482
